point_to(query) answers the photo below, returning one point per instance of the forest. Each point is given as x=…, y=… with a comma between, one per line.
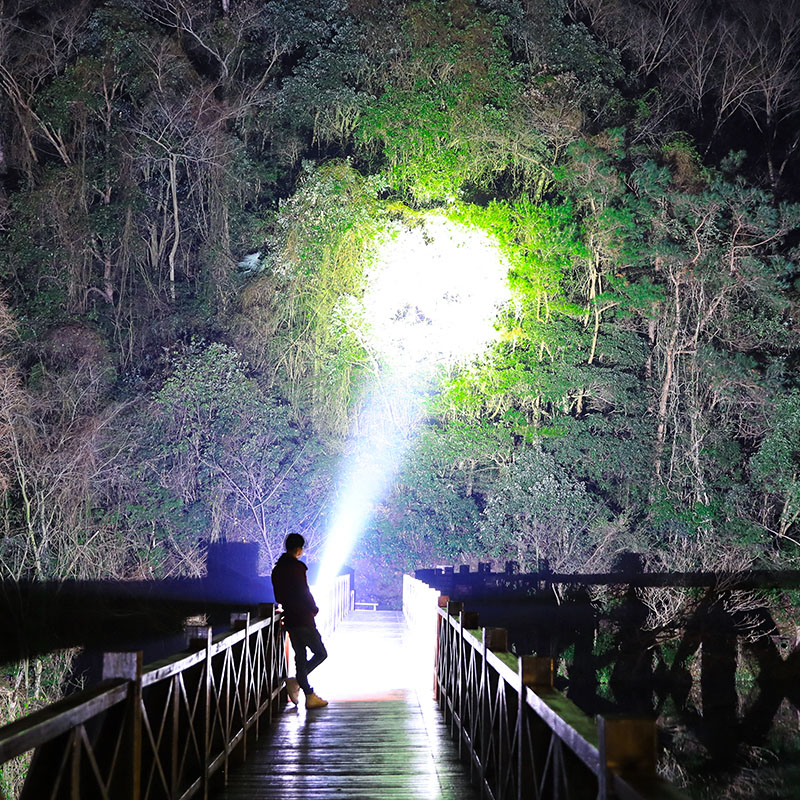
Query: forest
x=191, y=193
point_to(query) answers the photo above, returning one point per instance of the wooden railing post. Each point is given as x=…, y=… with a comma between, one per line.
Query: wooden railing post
x=453, y=656
x=128, y=666
x=458, y=701
x=496, y=640
x=200, y=637
x=483, y=705
x=466, y=619
x=627, y=746
x=281, y=665
x=265, y=611
x=469, y=621
x=240, y=620
x=535, y=672
x=274, y=656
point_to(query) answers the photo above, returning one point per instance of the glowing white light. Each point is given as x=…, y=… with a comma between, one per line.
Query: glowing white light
x=387, y=668
x=433, y=293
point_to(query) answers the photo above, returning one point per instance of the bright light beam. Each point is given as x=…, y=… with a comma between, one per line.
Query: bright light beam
x=374, y=455
x=433, y=293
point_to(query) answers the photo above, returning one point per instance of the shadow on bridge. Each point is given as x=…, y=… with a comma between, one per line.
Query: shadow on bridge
x=38, y=617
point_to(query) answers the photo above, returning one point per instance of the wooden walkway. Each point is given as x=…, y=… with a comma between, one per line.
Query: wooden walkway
x=380, y=738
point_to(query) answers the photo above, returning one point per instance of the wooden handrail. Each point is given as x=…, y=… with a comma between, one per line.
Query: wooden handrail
x=335, y=606
x=47, y=723
x=163, y=730
x=514, y=729
x=83, y=744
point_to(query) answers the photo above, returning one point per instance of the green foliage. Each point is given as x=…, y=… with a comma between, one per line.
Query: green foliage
x=432, y=513
x=537, y=511
x=551, y=44
x=449, y=120
x=541, y=241
x=222, y=459
x=28, y=686
x=605, y=452
x=776, y=465
x=323, y=96
x=326, y=234
x=641, y=370
x=778, y=459
x=541, y=337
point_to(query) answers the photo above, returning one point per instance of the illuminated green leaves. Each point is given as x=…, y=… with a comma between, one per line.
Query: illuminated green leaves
x=299, y=321
x=537, y=510
x=447, y=124
x=777, y=463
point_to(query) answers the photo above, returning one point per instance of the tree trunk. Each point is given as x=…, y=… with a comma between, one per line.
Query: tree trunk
x=176, y=222
x=666, y=385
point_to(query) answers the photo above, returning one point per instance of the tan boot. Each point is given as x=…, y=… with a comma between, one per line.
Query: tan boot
x=293, y=690
x=315, y=701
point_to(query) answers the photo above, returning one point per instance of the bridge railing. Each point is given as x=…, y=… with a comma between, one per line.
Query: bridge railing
x=160, y=732
x=334, y=604
x=156, y=732
x=520, y=736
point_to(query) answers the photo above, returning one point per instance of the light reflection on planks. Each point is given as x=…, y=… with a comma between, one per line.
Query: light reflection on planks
x=380, y=737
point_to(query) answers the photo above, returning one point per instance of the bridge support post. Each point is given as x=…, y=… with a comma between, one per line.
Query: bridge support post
x=128, y=666
x=535, y=672
x=453, y=675
x=466, y=620
x=275, y=656
x=264, y=682
x=495, y=640
x=627, y=745
x=442, y=602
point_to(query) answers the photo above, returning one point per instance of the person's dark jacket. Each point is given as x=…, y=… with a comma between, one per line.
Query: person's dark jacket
x=290, y=585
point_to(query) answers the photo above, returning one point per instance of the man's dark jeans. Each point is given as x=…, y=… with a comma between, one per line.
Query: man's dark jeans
x=303, y=638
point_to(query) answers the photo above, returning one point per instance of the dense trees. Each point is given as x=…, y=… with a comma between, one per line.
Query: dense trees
x=192, y=192
x=729, y=73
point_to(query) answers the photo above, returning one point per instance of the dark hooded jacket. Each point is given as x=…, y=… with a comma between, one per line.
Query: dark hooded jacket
x=290, y=585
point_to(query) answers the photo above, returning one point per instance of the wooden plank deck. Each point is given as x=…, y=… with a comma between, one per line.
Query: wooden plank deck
x=381, y=737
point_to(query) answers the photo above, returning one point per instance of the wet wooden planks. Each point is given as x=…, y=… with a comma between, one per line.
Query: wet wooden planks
x=380, y=737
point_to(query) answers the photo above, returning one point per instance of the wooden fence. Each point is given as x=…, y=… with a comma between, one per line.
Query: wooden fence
x=161, y=732
x=519, y=736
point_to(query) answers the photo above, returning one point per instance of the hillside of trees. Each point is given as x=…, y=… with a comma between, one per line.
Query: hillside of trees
x=189, y=189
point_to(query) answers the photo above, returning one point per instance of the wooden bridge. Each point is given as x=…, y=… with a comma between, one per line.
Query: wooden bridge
x=380, y=737
x=429, y=706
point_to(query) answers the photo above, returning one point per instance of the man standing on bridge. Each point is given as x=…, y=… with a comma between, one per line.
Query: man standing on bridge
x=290, y=585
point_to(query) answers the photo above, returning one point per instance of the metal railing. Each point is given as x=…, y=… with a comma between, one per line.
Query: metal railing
x=156, y=732
x=521, y=737
x=160, y=732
